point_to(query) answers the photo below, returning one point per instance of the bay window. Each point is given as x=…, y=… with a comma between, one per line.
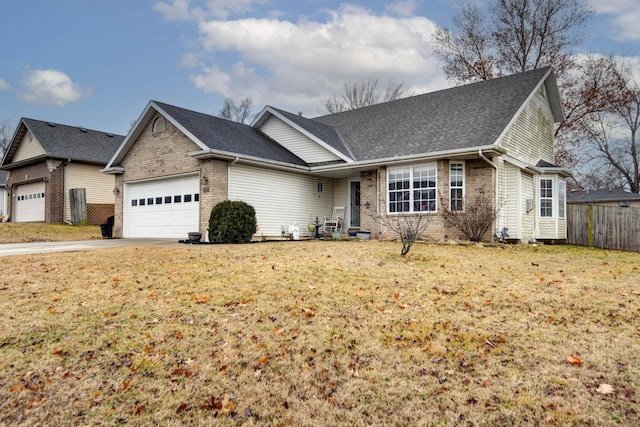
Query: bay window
x=412, y=189
x=546, y=197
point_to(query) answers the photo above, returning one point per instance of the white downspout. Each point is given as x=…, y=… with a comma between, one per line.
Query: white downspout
x=495, y=167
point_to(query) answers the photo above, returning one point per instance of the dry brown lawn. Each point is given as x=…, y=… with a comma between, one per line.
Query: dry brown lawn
x=321, y=334
x=16, y=232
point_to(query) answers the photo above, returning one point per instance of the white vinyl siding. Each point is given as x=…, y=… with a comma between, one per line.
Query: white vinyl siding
x=512, y=205
x=28, y=149
x=528, y=216
x=530, y=137
x=98, y=186
x=281, y=198
x=296, y=142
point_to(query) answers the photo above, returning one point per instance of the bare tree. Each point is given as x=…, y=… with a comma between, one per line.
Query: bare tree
x=520, y=35
x=610, y=135
x=363, y=94
x=240, y=113
x=408, y=227
x=6, y=130
x=476, y=218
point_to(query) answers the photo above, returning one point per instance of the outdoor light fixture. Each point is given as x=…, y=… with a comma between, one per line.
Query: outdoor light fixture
x=367, y=205
x=204, y=180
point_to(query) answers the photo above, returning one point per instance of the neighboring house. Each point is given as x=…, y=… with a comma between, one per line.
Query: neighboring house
x=419, y=155
x=45, y=160
x=604, y=197
x=3, y=194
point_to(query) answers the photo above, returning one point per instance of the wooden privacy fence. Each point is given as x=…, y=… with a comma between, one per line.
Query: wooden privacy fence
x=608, y=227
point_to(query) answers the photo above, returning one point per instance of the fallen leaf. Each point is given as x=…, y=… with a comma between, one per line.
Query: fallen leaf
x=308, y=312
x=605, y=389
x=277, y=331
x=574, y=360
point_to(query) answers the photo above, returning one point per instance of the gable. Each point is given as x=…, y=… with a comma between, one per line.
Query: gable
x=529, y=137
x=28, y=148
x=296, y=142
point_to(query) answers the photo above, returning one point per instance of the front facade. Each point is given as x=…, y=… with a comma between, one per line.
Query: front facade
x=425, y=155
x=45, y=161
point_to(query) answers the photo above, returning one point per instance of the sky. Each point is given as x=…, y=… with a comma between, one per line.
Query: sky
x=97, y=63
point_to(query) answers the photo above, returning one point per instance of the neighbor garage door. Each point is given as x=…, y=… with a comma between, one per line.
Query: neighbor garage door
x=165, y=208
x=29, y=203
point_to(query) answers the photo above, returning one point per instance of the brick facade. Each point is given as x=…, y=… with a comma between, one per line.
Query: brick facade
x=164, y=154
x=479, y=177
x=52, y=173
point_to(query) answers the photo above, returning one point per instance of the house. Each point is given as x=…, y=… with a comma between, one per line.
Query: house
x=421, y=155
x=3, y=194
x=45, y=160
x=604, y=197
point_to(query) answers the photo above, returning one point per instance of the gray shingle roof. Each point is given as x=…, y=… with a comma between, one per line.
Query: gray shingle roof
x=75, y=143
x=232, y=137
x=600, y=195
x=460, y=117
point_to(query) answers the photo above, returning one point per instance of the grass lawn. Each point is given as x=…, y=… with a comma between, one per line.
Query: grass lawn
x=18, y=232
x=321, y=333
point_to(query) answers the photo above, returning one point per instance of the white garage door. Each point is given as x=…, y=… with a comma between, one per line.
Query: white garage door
x=166, y=208
x=29, y=203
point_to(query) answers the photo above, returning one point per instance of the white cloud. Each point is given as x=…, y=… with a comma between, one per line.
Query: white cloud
x=50, y=87
x=182, y=10
x=403, y=7
x=298, y=64
x=624, y=15
x=3, y=85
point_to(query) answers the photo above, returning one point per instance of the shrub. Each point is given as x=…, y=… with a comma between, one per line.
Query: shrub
x=232, y=222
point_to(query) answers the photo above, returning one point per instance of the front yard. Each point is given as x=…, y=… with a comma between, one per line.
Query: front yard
x=321, y=333
x=17, y=232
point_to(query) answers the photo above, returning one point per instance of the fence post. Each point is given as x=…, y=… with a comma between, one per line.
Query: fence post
x=590, y=227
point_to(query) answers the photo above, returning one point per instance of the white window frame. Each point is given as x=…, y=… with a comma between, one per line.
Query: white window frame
x=543, y=196
x=453, y=187
x=405, y=197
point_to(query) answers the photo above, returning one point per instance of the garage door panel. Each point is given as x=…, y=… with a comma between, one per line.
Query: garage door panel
x=158, y=208
x=30, y=202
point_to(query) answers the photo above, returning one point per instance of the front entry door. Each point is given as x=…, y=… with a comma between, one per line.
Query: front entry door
x=355, y=204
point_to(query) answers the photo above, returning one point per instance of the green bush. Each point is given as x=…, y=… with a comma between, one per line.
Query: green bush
x=232, y=222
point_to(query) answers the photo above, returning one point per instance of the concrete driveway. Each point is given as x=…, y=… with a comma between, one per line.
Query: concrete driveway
x=7, y=249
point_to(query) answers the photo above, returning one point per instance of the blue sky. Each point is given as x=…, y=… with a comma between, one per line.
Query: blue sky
x=97, y=63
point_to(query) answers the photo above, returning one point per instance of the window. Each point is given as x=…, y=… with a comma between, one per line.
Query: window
x=546, y=197
x=158, y=200
x=187, y=198
x=134, y=202
x=456, y=186
x=177, y=199
x=150, y=201
x=159, y=125
x=141, y=202
x=196, y=197
x=562, y=190
x=167, y=199
x=412, y=189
